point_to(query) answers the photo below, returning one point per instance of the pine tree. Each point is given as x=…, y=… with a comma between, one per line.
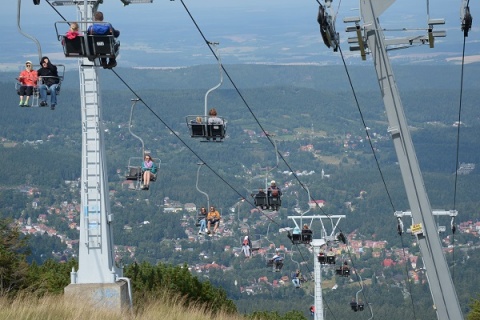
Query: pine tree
x=13, y=265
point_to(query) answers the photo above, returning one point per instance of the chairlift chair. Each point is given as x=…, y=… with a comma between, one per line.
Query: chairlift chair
x=326, y=258
x=256, y=245
x=354, y=305
x=201, y=129
x=260, y=199
x=90, y=46
x=198, y=125
x=301, y=236
x=134, y=167
x=274, y=201
x=331, y=259
x=322, y=259
x=198, y=218
x=326, y=20
x=270, y=263
x=266, y=200
x=343, y=270
x=35, y=98
x=304, y=237
x=134, y=171
x=307, y=236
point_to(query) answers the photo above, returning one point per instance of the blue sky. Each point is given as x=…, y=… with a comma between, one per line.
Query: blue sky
x=162, y=34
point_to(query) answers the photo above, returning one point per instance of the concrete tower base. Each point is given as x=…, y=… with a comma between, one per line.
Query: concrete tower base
x=111, y=296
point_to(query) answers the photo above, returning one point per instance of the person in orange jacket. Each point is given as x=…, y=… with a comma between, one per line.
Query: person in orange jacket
x=28, y=80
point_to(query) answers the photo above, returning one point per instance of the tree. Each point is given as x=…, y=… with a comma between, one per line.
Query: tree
x=13, y=265
x=475, y=310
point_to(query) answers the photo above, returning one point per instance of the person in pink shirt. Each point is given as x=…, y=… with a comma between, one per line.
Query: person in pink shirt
x=72, y=33
x=28, y=80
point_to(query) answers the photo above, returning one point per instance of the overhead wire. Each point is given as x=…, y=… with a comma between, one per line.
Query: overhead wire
x=373, y=152
x=459, y=122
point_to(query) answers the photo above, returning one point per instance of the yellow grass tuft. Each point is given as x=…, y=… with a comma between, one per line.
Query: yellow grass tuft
x=56, y=308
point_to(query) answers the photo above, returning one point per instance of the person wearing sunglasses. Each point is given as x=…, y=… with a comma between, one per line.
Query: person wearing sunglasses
x=28, y=80
x=149, y=169
x=50, y=82
x=213, y=218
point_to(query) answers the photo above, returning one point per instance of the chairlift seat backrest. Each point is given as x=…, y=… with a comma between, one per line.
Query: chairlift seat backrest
x=331, y=259
x=260, y=199
x=134, y=173
x=198, y=130
x=274, y=201
x=296, y=238
x=216, y=131
x=104, y=45
x=307, y=236
x=74, y=47
x=342, y=271
x=134, y=169
x=256, y=245
x=321, y=259
x=200, y=217
x=354, y=306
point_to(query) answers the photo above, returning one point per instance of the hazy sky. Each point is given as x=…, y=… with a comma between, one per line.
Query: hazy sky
x=249, y=31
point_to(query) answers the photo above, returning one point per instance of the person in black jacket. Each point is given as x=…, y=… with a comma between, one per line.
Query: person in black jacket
x=50, y=82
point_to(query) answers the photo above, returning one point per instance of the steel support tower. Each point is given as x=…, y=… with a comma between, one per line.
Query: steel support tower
x=317, y=243
x=96, y=256
x=441, y=285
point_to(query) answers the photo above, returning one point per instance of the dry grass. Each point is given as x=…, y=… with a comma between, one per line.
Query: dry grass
x=57, y=308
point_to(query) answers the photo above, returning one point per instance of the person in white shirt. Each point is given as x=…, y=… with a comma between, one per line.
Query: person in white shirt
x=213, y=118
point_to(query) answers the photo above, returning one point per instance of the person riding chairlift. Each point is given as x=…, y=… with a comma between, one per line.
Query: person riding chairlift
x=149, y=169
x=274, y=192
x=247, y=246
x=277, y=262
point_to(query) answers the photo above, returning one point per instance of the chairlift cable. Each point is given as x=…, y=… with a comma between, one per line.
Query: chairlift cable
x=61, y=16
x=462, y=76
